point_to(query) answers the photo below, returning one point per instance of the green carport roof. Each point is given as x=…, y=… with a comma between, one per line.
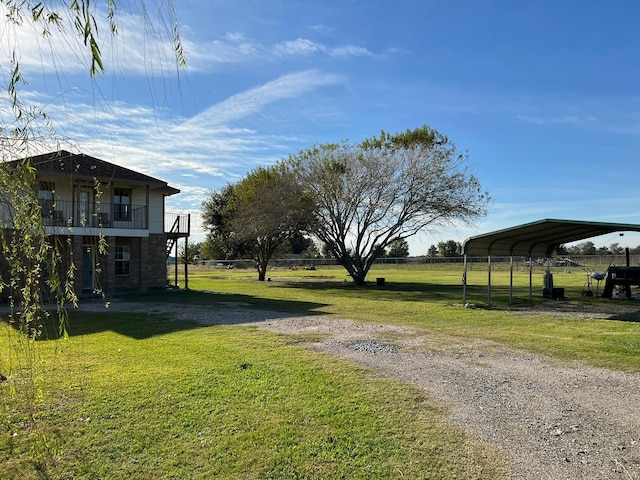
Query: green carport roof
x=539, y=239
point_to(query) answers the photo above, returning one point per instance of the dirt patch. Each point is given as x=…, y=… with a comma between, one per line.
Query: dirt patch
x=555, y=421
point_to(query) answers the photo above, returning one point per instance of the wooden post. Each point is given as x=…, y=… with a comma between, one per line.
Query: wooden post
x=186, y=256
x=176, y=259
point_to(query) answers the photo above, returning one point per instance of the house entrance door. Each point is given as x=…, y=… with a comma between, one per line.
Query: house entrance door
x=88, y=268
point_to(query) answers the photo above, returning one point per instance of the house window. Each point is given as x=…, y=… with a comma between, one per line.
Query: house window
x=121, y=204
x=45, y=197
x=123, y=259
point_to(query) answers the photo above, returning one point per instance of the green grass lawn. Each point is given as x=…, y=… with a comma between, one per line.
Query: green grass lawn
x=140, y=396
x=430, y=297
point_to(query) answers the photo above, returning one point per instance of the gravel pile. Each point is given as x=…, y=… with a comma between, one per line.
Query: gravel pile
x=372, y=347
x=555, y=420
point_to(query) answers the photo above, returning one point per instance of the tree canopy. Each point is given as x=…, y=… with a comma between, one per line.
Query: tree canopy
x=384, y=189
x=259, y=214
x=398, y=248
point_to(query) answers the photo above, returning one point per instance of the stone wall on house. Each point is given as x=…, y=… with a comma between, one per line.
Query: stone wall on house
x=107, y=276
x=147, y=264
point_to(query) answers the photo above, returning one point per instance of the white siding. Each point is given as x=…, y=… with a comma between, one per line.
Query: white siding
x=156, y=212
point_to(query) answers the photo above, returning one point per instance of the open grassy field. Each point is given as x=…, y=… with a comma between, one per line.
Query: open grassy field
x=430, y=297
x=140, y=396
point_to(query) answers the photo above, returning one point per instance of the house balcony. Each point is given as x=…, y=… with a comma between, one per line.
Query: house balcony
x=70, y=214
x=177, y=224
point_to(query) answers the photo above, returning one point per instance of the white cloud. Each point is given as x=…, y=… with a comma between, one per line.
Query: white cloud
x=576, y=120
x=300, y=46
x=237, y=48
x=256, y=99
x=321, y=28
x=232, y=48
x=144, y=46
x=351, y=51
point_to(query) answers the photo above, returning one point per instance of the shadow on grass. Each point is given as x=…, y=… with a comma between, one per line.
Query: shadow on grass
x=207, y=298
x=502, y=297
x=627, y=317
x=412, y=292
x=142, y=324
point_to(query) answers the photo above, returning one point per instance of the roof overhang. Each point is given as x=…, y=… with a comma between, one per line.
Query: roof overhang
x=82, y=167
x=539, y=239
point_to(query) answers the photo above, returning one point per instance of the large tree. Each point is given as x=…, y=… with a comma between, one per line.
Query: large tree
x=386, y=188
x=259, y=214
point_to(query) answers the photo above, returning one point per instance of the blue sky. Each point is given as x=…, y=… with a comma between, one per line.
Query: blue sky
x=544, y=96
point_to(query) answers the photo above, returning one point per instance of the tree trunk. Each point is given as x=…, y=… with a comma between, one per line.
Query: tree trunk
x=262, y=271
x=355, y=271
x=261, y=274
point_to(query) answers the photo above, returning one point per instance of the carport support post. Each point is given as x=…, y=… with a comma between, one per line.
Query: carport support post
x=489, y=280
x=510, y=280
x=464, y=280
x=530, y=279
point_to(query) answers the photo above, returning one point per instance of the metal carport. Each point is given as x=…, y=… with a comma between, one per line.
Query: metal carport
x=536, y=239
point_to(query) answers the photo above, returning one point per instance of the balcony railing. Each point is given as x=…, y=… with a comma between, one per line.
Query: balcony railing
x=63, y=213
x=177, y=223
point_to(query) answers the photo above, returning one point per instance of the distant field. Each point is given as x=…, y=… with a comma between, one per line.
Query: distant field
x=443, y=279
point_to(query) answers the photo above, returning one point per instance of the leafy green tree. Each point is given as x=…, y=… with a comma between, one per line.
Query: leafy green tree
x=398, y=248
x=432, y=251
x=311, y=252
x=616, y=249
x=299, y=244
x=217, y=214
x=212, y=249
x=190, y=254
x=260, y=214
x=386, y=188
x=450, y=248
x=584, y=248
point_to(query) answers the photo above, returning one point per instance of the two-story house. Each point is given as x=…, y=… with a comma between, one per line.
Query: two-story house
x=109, y=220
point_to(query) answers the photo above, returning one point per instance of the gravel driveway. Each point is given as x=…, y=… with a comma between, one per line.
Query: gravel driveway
x=556, y=420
